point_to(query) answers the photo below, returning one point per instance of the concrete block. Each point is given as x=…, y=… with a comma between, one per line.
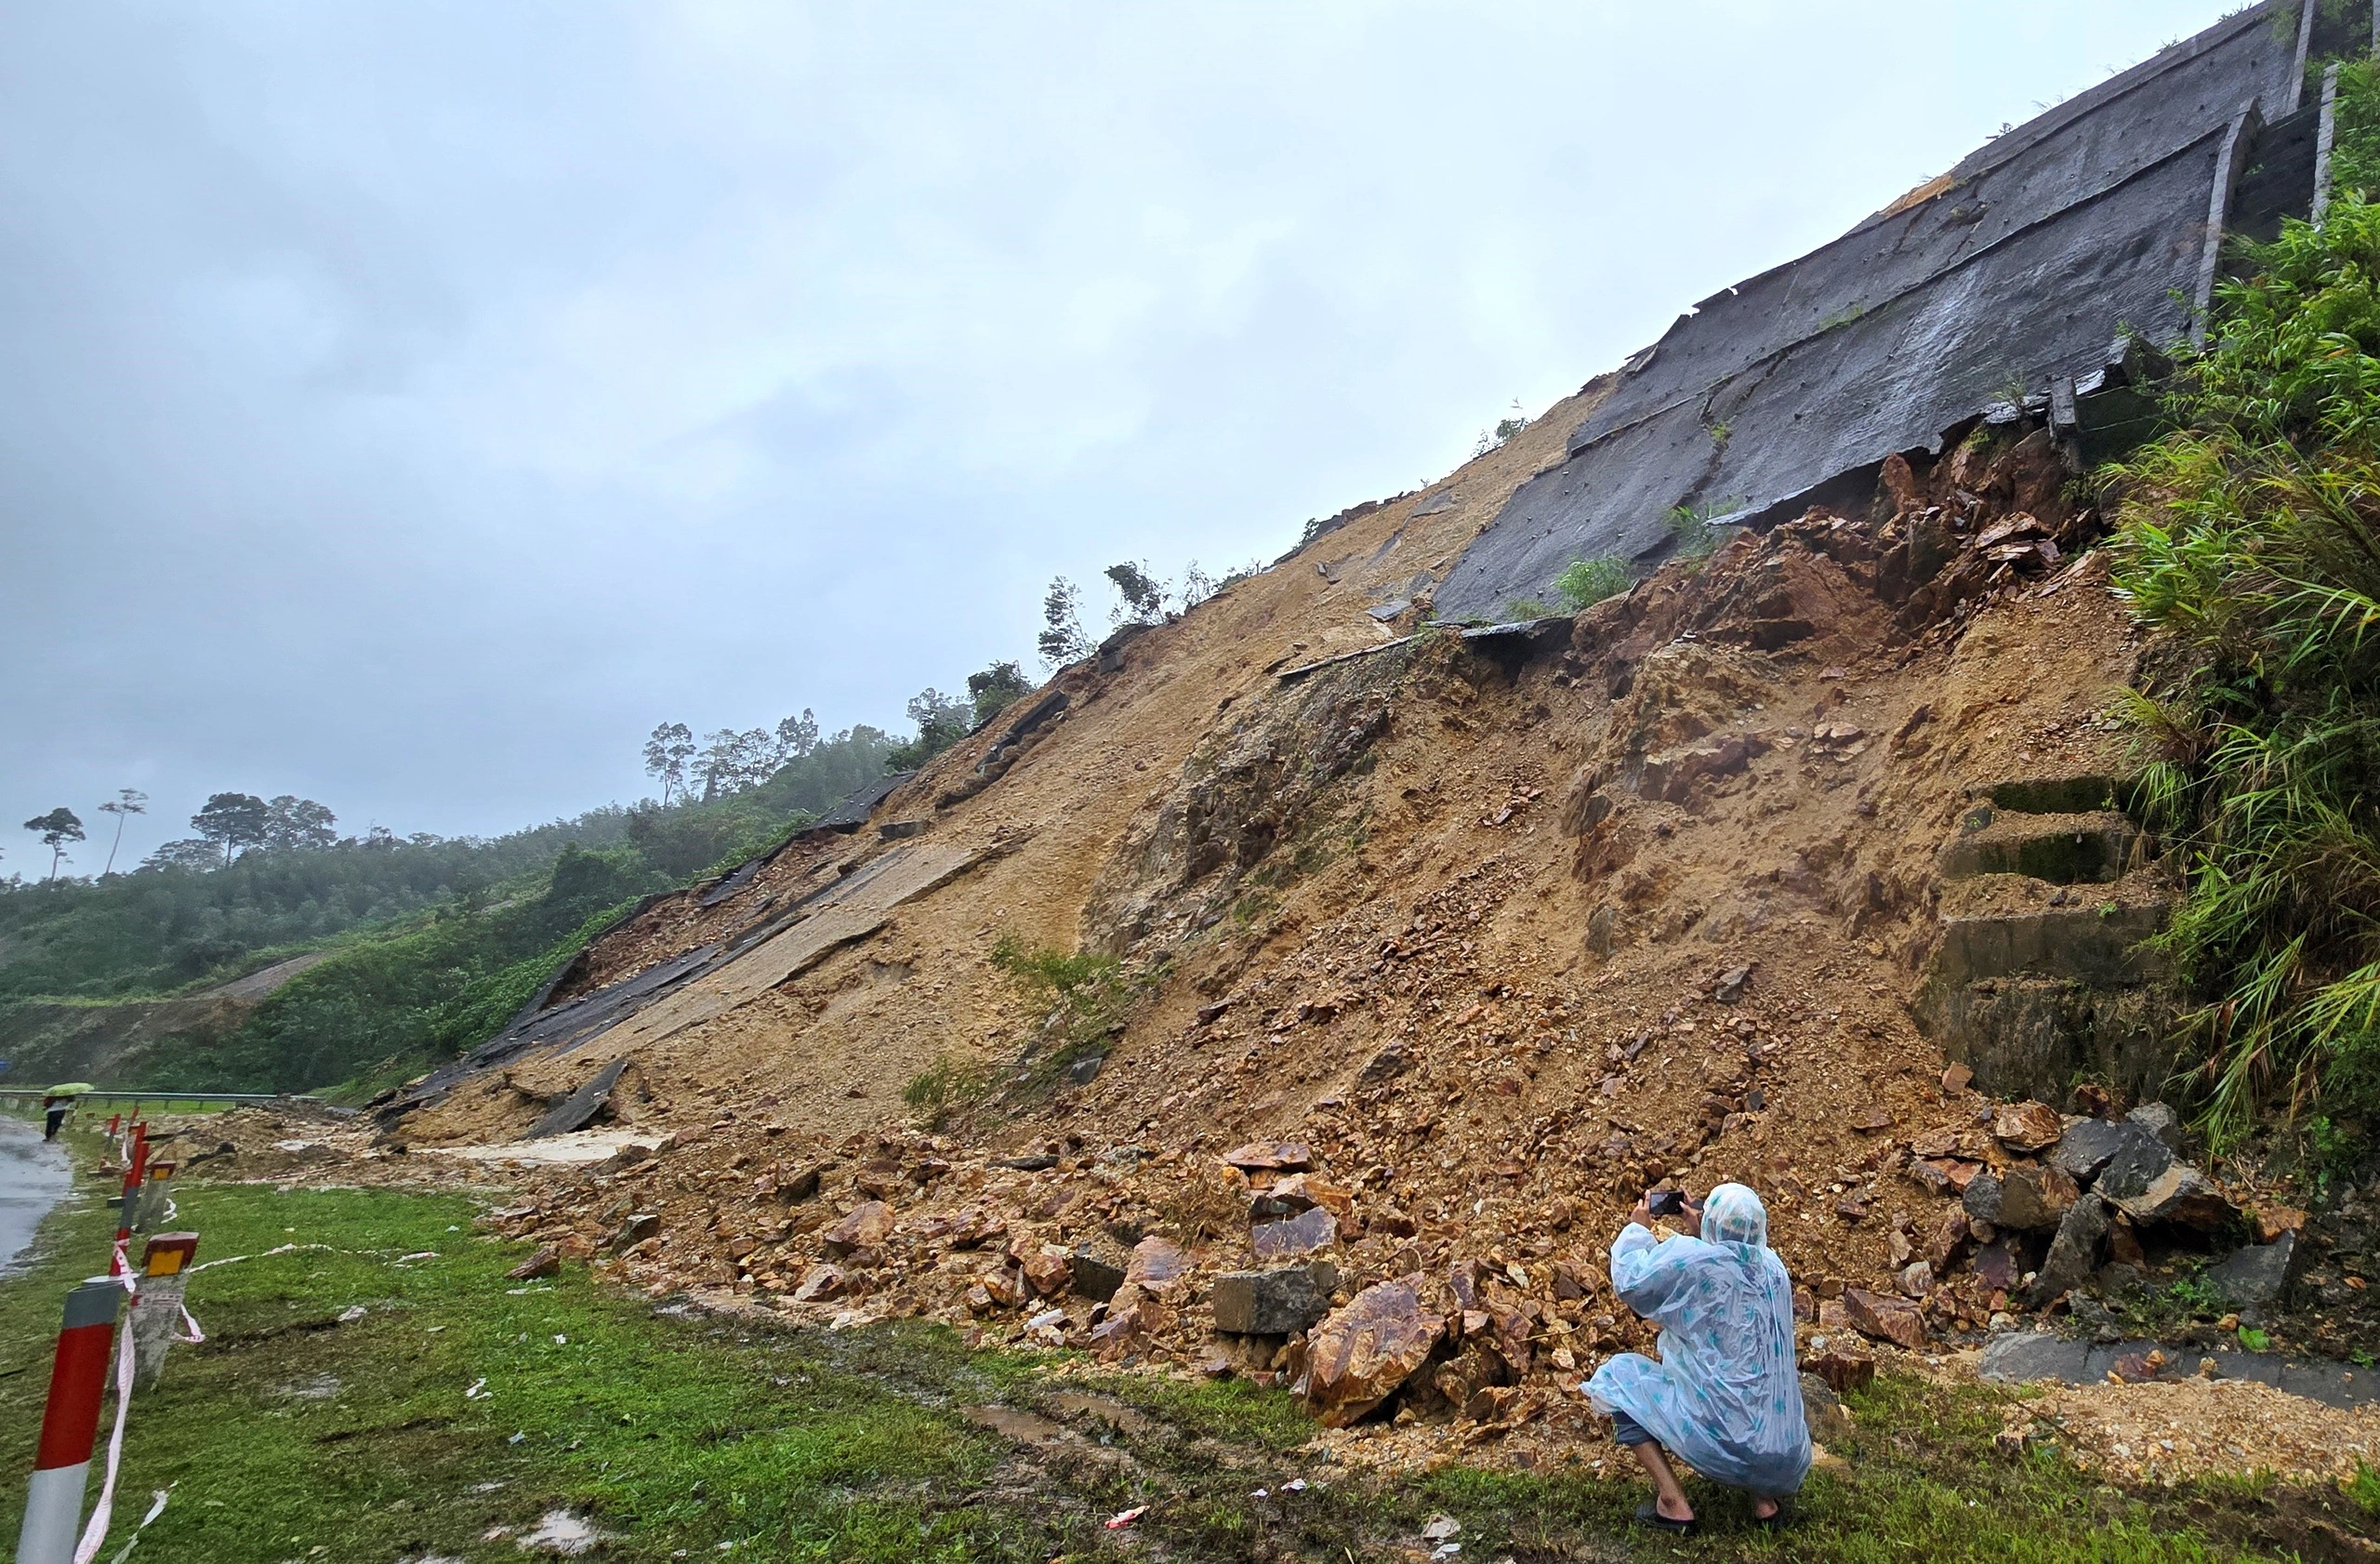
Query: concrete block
x=1275, y=1303
x=1096, y=1279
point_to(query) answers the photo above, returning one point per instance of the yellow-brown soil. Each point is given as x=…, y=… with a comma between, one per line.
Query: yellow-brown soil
x=1454, y=917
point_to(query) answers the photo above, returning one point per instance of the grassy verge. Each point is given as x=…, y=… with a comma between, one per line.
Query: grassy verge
x=290, y=1435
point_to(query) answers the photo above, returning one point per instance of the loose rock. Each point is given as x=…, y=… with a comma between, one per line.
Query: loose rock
x=2074, y=1254
x=544, y=1262
x=2028, y=1127
x=1270, y=1156
x=1885, y=1319
x=1302, y=1234
x=2257, y=1277
x=865, y=1226
x=2034, y=1197
x=2184, y=1196
x=1359, y=1355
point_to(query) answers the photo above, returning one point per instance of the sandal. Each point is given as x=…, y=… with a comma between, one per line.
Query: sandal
x=1649, y=1513
x=1777, y=1522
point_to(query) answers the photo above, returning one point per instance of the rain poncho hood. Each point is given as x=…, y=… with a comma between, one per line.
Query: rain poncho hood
x=1725, y=1396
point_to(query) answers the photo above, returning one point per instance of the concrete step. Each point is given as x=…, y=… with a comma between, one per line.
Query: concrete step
x=2033, y=983
x=2054, y=795
x=2001, y=925
x=2096, y=847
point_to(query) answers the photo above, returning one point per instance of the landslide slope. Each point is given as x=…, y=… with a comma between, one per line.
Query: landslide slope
x=1502, y=927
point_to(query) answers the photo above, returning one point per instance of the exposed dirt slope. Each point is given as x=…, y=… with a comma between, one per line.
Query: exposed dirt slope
x=831, y=1049
x=1503, y=930
x=50, y=1040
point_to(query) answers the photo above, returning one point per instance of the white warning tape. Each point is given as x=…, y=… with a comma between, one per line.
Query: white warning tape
x=95, y=1532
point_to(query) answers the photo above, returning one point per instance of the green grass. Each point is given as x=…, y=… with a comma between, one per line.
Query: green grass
x=678, y=1433
x=675, y=1433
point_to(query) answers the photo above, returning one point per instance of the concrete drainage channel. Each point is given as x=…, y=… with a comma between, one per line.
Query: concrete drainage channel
x=2018, y=1357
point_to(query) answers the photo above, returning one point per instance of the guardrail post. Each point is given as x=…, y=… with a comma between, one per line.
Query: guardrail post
x=78, y=1378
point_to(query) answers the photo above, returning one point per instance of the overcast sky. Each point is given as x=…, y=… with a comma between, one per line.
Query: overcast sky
x=407, y=405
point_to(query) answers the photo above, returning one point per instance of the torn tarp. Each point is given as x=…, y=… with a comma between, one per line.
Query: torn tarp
x=2038, y=257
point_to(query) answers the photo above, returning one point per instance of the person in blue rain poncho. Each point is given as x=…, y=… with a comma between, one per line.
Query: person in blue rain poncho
x=1725, y=1396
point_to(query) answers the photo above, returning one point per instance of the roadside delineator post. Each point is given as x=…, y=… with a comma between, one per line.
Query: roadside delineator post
x=136, y=1172
x=156, y=1194
x=70, y=1424
x=157, y=1307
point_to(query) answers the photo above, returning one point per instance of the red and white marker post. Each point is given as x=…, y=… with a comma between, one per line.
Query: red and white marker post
x=156, y=1194
x=135, y=1173
x=78, y=1380
x=157, y=1314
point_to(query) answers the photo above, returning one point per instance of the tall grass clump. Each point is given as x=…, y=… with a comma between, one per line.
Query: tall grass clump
x=2250, y=537
x=1698, y=532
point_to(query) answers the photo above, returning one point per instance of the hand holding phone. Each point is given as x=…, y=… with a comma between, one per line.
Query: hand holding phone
x=1665, y=1202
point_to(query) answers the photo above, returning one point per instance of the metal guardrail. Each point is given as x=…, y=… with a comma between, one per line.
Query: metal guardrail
x=15, y=1096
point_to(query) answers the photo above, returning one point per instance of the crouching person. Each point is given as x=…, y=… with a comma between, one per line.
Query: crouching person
x=1725, y=1396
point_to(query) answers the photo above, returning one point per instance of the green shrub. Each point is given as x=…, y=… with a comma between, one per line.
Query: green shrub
x=1584, y=583
x=1086, y=995
x=1046, y=971
x=2251, y=538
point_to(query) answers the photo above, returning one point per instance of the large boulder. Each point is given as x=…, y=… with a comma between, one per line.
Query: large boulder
x=2074, y=1254
x=1843, y=1362
x=1884, y=1319
x=1823, y=1412
x=1157, y=1266
x=1982, y=1198
x=1270, y=1156
x=1274, y=1302
x=1358, y=1356
x=1047, y=1267
x=865, y=1226
x=2134, y=1162
x=2158, y=1120
x=1311, y=1229
x=2087, y=1145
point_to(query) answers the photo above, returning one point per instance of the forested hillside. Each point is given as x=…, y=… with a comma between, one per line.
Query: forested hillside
x=433, y=941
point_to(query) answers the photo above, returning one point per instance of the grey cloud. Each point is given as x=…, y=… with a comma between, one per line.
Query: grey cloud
x=408, y=404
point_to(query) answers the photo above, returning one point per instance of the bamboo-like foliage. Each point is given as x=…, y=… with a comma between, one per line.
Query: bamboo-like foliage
x=2251, y=537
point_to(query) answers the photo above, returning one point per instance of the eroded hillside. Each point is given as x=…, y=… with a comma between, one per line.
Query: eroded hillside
x=1433, y=947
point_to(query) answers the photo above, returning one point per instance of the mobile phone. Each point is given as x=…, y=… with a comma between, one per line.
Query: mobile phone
x=1665, y=1202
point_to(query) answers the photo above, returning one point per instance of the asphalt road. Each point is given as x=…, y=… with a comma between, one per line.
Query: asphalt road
x=34, y=1177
